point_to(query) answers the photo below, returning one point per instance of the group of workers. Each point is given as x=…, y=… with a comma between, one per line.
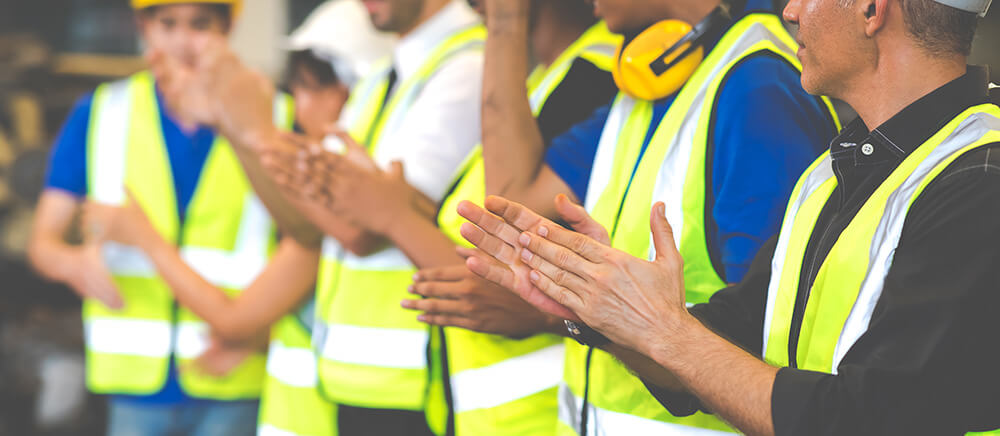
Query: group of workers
x=540, y=217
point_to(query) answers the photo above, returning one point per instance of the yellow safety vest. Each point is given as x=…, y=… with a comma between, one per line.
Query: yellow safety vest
x=850, y=281
x=291, y=404
x=372, y=352
x=226, y=237
x=503, y=386
x=673, y=170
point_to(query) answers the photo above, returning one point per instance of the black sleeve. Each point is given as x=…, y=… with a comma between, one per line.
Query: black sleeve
x=736, y=313
x=927, y=365
x=584, y=89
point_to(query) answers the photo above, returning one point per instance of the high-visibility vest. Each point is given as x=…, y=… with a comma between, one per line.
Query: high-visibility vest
x=672, y=170
x=372, y=352
x=291, y=404
x=503, y=386
x=226, y=236
x=850, y=281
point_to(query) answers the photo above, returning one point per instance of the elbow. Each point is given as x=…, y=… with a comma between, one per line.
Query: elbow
x=363, y=245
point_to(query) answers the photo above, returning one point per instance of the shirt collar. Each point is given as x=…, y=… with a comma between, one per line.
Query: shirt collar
x=415, y=47
x=915, y=124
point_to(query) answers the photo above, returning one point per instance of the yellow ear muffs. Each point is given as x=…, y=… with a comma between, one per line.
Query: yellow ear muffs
x=638, y=61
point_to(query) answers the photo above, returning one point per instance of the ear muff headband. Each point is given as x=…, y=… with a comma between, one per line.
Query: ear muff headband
x=661, y=59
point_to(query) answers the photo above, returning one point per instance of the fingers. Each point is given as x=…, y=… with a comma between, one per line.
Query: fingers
x=561, y=295
x=488, y=222
x=557, y=255
x=492, y=270
x=437, y=306
x=578, y=218
x=447, y=290
x=515, y=214
x=578, y=243
x=452, y=273
x=663, y=234
x=558, y=275
x=489, y=244
x=396, y=170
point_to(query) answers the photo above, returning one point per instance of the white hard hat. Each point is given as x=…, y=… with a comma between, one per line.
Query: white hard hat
x=340, y=32
x=976, y=6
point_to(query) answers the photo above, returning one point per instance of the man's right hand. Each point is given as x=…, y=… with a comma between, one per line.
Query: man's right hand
x=496, y=232
x=219, y=91
x=91, y=278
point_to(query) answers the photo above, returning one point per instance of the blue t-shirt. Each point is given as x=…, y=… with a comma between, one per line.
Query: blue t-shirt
x=767, y=130
x=187, y=152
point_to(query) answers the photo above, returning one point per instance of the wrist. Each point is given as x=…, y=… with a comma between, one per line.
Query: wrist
x=671, y=341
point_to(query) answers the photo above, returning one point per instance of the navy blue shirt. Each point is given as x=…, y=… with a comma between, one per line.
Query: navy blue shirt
x=187, y=152
x=767, y=130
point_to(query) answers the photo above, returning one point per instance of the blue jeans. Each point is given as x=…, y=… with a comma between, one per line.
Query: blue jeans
x=201, y=418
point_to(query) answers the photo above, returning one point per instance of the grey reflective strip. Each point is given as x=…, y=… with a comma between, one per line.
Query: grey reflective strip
x=604, y=159
x=110, y=149
x=819, y=175
x=889, y=229
x=975, y=6
x=569, y=408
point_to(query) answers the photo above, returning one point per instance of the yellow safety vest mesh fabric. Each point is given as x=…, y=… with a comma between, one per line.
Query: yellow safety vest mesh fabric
x=372, y=352
x=226, y=237
x=503, y=386
x=673, y=170
x=291, y=403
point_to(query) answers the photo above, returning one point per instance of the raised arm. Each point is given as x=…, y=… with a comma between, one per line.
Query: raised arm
x=513, y=148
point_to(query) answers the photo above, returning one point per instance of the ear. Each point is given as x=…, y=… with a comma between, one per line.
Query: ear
x=876, y=13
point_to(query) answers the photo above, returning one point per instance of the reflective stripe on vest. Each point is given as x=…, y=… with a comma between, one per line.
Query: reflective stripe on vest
x=291, y=404
x=850, y=280
x=603, y=422
x=673, y=170
x=372, y=352
x=226, y=236
x=503, y=386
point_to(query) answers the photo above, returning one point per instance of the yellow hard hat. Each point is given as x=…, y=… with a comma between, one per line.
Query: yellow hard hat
x=235, y=5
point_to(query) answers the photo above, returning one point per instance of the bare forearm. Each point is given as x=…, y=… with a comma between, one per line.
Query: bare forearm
x=53, y=259
x=289, y=218
x=512, y=144
x=729, y=381
x=194, y=292
x=422, y=241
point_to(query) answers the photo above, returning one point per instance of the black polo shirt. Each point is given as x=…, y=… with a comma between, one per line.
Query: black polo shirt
x=930, y=360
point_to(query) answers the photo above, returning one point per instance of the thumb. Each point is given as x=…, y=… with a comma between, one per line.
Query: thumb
x=396, y=170
x=578, y=218
x=663, y=234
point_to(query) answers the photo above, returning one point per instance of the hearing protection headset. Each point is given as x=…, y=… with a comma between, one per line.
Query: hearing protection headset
x=658, y=61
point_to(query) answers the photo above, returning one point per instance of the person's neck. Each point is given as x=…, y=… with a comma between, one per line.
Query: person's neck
x=431, y=8
x=692, y=11
x=897, y=80
x=554, y=30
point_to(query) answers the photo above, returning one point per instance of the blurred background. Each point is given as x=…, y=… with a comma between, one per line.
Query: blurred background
x=52, y=52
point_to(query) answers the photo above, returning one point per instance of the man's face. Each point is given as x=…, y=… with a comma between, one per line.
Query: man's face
x=394, y=15
x=177, y=29
x=317, y=105
x=831, y=42
x=627, y=15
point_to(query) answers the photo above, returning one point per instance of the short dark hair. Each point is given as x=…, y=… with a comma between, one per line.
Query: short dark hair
x=938, y=28
x=224, y=12
x=306, y=60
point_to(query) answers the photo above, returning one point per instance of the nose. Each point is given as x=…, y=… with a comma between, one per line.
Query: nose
x=791, y=12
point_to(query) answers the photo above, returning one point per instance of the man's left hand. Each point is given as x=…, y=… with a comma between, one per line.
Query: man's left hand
x=632, y=301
